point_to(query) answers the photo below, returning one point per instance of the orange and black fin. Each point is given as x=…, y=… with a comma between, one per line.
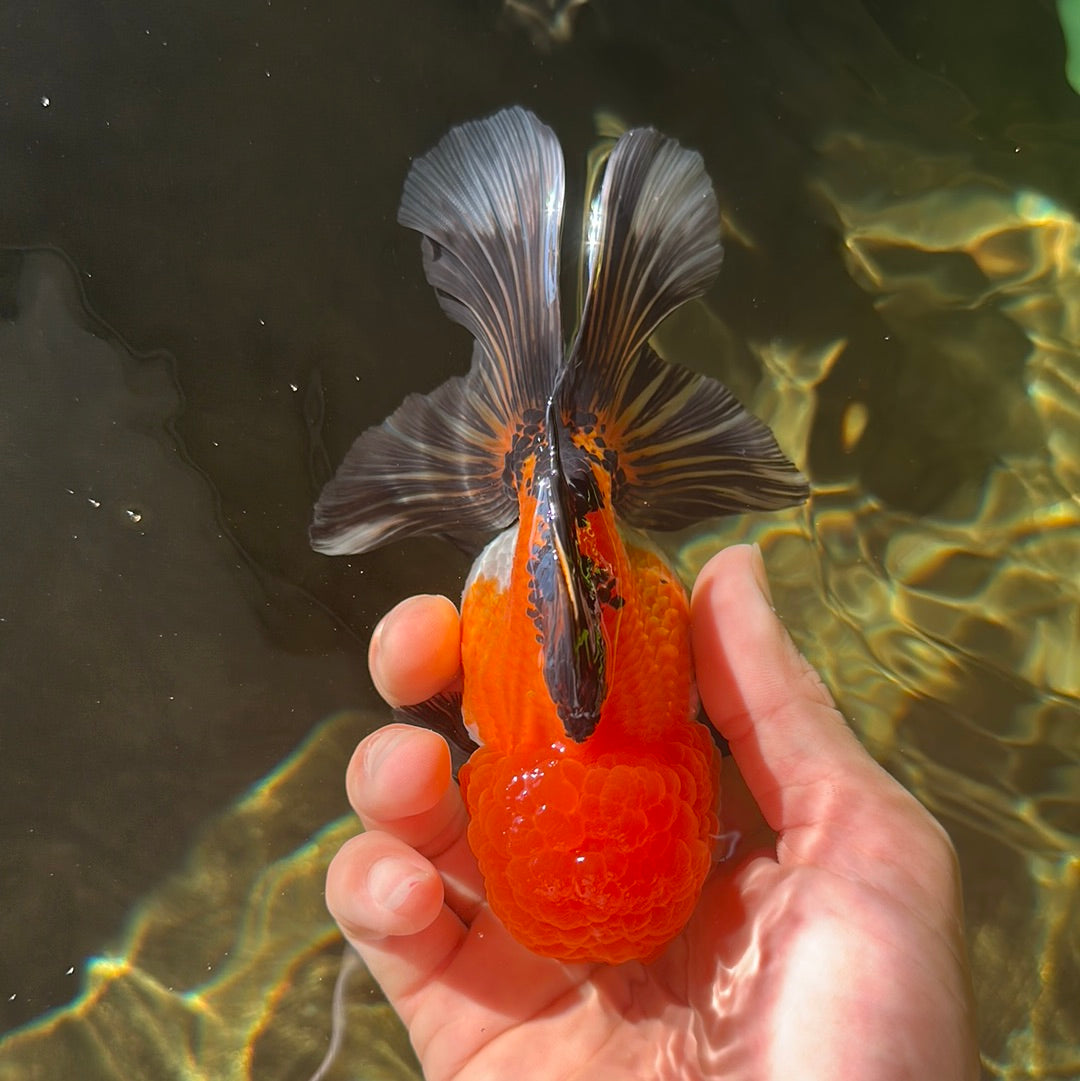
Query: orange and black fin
x=678, y=444
x=488, y=200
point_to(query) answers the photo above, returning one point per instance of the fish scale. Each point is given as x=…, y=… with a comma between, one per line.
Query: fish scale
x=597, y=860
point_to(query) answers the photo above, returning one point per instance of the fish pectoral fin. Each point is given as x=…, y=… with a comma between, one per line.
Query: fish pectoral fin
x=719, y=741
x=686, y=450
x=435, y=466
x=442, y=713
x=488, y=200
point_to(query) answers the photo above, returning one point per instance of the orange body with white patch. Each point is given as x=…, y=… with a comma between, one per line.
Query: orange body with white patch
x=591, y=851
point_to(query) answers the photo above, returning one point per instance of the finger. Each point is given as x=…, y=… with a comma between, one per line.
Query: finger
x=415, y=650
x=399, y=782
x=388, y=902
x=802, y=763
x=378, y=886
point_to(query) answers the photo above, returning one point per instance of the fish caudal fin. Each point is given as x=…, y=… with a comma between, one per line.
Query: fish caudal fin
x=653, y=244
x=488, y=201
x=687, y=451
x=680, y=446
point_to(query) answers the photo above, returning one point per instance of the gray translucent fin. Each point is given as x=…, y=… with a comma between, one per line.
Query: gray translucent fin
x=488, y=200
x=687, y=450
x=681, y=447
x=653, y=244
x=435, y=466
x=442, y=713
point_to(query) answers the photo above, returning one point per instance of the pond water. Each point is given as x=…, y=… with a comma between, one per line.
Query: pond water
x=203, y=298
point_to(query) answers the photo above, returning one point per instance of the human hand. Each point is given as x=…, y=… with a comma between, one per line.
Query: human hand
x=829, y=944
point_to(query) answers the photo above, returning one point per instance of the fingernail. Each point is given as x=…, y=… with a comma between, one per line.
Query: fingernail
x=757, y=567
x=376, y=634
x=378, y=751
x=390, y=882
x=374, y=655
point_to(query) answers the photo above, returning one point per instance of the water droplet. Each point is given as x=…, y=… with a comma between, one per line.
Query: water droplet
x=134, y=516
x=45, y=101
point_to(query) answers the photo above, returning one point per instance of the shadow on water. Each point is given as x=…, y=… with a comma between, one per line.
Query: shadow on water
x=900, y=300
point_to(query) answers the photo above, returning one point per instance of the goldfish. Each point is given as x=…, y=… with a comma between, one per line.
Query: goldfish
x=592, y=788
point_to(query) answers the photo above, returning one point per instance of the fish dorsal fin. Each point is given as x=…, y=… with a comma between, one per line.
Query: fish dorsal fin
x=679, y=445
x=488, y=201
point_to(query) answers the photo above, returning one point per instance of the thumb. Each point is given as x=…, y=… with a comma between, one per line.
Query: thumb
x=802, y=763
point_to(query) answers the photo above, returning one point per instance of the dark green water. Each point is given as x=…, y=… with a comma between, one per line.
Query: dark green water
x=234, y=302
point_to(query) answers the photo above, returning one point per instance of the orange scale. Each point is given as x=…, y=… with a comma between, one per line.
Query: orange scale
x=631, y=885
x=505, y=698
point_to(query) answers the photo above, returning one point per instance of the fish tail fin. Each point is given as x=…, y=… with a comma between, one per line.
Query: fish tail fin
x=488, y=202
x=680, y=446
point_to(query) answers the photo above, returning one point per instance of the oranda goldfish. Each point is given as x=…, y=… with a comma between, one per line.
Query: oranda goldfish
x=593, y=789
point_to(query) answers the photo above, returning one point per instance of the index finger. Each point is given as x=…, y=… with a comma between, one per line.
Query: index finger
x=415, y=649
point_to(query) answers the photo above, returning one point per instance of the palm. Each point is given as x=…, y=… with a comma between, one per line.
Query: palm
x=831, y=947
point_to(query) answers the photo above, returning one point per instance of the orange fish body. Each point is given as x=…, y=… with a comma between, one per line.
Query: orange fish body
x=592, y=789
x=590, y=851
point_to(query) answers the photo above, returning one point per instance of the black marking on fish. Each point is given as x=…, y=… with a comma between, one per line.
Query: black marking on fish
x=564, y=604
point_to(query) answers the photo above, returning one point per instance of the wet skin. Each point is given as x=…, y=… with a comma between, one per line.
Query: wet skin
x=829, y=945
